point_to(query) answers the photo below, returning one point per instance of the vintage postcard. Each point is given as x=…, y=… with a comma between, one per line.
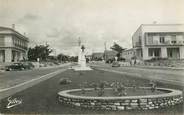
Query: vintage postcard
x=116, y=57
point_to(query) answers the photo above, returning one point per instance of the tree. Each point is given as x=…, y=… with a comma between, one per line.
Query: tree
x=62, y=57
x=74, y=58
x=118, y=48
x=39, y=51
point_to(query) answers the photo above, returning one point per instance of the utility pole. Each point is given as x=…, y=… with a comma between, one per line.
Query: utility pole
x=79, y=56
x=79, y=42
x=105, y=50
x=55, y=52
x=105, y=46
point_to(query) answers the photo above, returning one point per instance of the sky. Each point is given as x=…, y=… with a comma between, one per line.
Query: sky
x=60, y=23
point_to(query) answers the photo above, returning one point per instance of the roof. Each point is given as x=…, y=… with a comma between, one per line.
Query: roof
x=179, y=27
x=162, y=24
x=97, y=53
x=156, y=25
x=110, y=52
x=129, y=49
x=6, y=30
x=88, y=55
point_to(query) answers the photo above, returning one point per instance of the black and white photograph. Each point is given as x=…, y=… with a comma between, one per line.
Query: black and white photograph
x=97, y=57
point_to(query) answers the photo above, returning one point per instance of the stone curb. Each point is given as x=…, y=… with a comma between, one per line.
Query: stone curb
x=122, y=103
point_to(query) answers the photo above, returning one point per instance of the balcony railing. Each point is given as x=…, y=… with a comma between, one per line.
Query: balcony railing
x=166, y=43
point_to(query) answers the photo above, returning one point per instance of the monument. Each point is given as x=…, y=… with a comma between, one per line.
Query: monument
x=81, y=59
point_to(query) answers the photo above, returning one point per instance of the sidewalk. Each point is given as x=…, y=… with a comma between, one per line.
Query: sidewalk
x=159, y=67
x=155, y=67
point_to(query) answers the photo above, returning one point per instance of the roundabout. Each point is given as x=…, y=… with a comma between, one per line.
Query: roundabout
x=162, y=97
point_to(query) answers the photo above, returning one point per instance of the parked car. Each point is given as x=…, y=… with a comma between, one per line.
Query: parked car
x=109, y=61
x=15, y=66
x=115, y=64
x=28, y=65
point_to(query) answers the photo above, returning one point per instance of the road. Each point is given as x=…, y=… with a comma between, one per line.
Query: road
x=170, y=76
x=42, y=98
x=12, y=78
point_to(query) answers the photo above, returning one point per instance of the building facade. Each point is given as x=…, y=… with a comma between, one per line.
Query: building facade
x=128, y=54
x=97, y=56
x=13, y=45
x=110, y=54
x=159, y=41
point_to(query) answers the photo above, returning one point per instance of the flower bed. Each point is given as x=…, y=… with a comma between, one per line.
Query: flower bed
x=170, y=97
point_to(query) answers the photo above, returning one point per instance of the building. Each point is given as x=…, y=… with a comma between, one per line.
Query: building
x=128, y=54
x=89, y=57
x=110, y=54
x=97, y=56
x=13, y=45
x=159, y=41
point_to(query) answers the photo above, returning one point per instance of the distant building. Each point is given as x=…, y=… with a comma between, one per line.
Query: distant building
x=97, y=56
x=128, y=54
x=13, y=45
x=110, y=54
x=159, y=41
x=89, y=57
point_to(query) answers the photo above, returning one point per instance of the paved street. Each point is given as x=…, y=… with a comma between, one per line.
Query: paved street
x=12, y=78
x=42, y=98
x=170, y=76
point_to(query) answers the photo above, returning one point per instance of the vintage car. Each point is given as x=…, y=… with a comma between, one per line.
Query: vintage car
x=15, y=66
x=115, y=64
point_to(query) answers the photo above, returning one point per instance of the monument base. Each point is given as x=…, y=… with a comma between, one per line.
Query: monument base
x=80, y=68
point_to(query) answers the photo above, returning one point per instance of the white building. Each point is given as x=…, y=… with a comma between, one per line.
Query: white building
x=159, y=40
x=13, y=45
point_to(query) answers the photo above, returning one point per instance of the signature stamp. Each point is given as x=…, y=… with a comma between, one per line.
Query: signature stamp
x=13, y=102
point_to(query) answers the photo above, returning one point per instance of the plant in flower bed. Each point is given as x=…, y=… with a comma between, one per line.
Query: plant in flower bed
x=101, y=88
x=83, y=91
x=116, y=88
x=153, y=86
x=120, y=89
x=95, y=86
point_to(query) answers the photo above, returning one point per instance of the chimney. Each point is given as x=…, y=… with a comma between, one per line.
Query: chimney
x=13, y=26
x=24, y=33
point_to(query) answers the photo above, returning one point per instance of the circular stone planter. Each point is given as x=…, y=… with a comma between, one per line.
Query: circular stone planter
x=169, y=97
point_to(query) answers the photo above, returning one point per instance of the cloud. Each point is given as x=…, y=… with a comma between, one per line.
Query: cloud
x=32, y=17
x=28, y=18
x=61, y=22
x=53, y=33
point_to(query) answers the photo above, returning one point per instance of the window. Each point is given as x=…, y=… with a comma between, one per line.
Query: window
x=154, y=52
x=173, y=53
x=139, y=39
x=1, y=40
x=173, y=39
x=162, y=39
x=150, y=39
